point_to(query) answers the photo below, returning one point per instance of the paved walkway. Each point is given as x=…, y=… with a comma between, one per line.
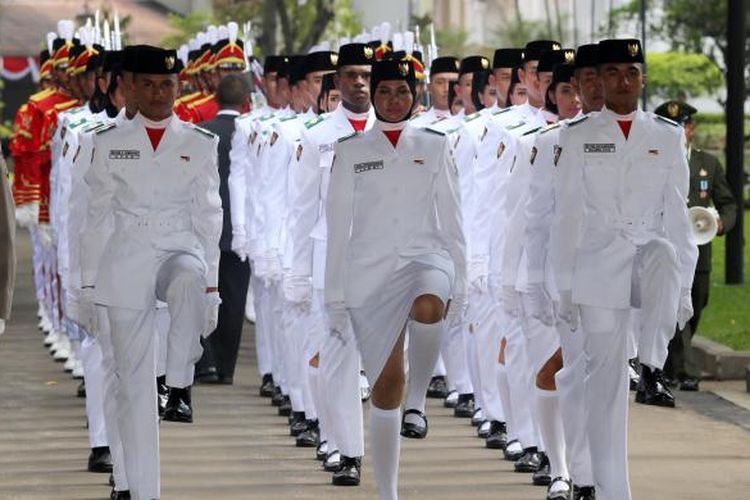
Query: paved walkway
x=239, y=449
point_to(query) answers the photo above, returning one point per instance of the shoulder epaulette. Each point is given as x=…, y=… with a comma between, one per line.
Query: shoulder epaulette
x=550, y=127
x=104, y=128
x=200, y=101
x=74, y=125
x=287, y=118
x=266, y=117
x=347, y=137
x=667, y=120
x=41, y=95
x=532, y=131
x=311, y=123
x=471, y=117
x=434, y=131
x=501, y=111
x=513, y=127
x=203, y=131
x=93, y=127
x=578, y=120
x=186, y=97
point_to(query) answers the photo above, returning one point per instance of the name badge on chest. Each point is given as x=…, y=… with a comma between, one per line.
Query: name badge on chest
x=599, y=147
x=124, y=154
x=367, y=166
x=325, y=148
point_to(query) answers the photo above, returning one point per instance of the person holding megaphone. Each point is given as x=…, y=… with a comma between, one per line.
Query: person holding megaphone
x=708, y=189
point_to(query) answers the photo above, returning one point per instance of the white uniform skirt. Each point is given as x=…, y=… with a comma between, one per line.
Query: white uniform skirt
x=378, y=324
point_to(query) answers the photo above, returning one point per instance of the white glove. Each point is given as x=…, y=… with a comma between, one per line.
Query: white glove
x=272, y=270
x=87, y=311
x=511, y=300
x=685, y=311
x=567, y=311
x=338, y=317
x=2, y=326
x=298, y=291
x=239, y=245
x=540, y=304
x=27, y=215
x=45, y=236
x=212, y=312
x=478, y=274
x=456, y=311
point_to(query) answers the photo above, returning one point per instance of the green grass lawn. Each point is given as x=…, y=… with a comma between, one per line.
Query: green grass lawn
x=727, y=317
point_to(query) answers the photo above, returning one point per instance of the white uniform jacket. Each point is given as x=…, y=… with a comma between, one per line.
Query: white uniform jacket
x=388, y=206
x=311, y=188
x=614, y=195
x=160, y=203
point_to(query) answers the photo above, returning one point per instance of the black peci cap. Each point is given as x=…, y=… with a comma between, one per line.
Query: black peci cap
x=445, y=64
x=626, y=50
x=472, y=64
x=533, y=50
x=507, y=58
x=275, y=64
x=551, y=58
x=563, y=72
x=150, y=60
x=324, y=60
x=112, y=60
x=587, y=55
x=680, y=112
x=354, y=54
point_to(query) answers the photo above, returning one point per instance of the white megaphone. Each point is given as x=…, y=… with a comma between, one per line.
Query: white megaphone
x=704, y=224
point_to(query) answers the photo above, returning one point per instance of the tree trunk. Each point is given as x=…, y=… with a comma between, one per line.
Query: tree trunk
x=548, y=14
x=267, y=40
x=559, y=22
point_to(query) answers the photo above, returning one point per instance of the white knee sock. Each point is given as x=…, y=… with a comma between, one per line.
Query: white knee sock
x=424, y=349
x=550, y=426
x=504, y=389
x=385, y=446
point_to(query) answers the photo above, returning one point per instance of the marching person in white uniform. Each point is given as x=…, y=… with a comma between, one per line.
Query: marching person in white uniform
x=339, y=358
x=143, y=242
x=626, y=242
x=565, y=373
x=396, y=253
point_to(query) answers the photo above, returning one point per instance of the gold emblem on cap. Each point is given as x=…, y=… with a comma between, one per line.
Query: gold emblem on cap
x=169, y=62
x=368, y=52
x=485, y=63
x=556, y=46
x=633, y=49
x=458, y=66
x=673, y=109
x=403, y=68
x=334, y=58
x=569, y=56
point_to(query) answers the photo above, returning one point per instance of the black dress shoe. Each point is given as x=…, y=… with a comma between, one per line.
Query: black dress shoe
x=179, y=406
x=634, y=373
x=309, y=437
x=100, y=460
x=451, y=399
x=465, y=406
x=322, y=451
x=689, y=384
x=511, y=455
x=266, y=386
x=120, y=495
x=207, y=375
x=298, y=424
x=584, y=493
x=477, y=418
x=277, y=397
x=437, y=389
x=412, y=430
x=541, y=476
x=561, y=494
x=529, y=461
x=111, y=479
x=652, y=390
x=81, y=390
x=483, y=429
x=348, y=473
x=285, y=408
x=498, y=436
x=162, y=394
x=330, y=464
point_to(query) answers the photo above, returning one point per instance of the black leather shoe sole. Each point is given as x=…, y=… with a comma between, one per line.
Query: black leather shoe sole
x=345, y=479
x=171, y=415
x=494, y=442
x=412, y=431
x=642, y=398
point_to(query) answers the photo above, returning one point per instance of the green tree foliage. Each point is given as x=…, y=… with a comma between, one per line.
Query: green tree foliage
x=671, y=74
x=185, y=27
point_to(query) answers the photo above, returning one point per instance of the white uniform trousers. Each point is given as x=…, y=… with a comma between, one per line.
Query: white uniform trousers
x=570, y=388
x=111, y=394
x=439, y=370
x=292, y=351
x=339, y=383
x=161, y=323
x=181, y=283
x=263, y=349
x=279, y=337
x=37, y=261
x=93, y=376
x=453, y=350
x=656, y=291
x=606, y=398
x=519, y=382
x=486, y=333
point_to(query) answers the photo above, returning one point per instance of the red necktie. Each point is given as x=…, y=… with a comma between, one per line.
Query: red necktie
x=392, y=136
x=625, y=127
x=155, y=135
x=359, y=125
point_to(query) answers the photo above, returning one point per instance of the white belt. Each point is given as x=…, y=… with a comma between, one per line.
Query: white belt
x=153, y=222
